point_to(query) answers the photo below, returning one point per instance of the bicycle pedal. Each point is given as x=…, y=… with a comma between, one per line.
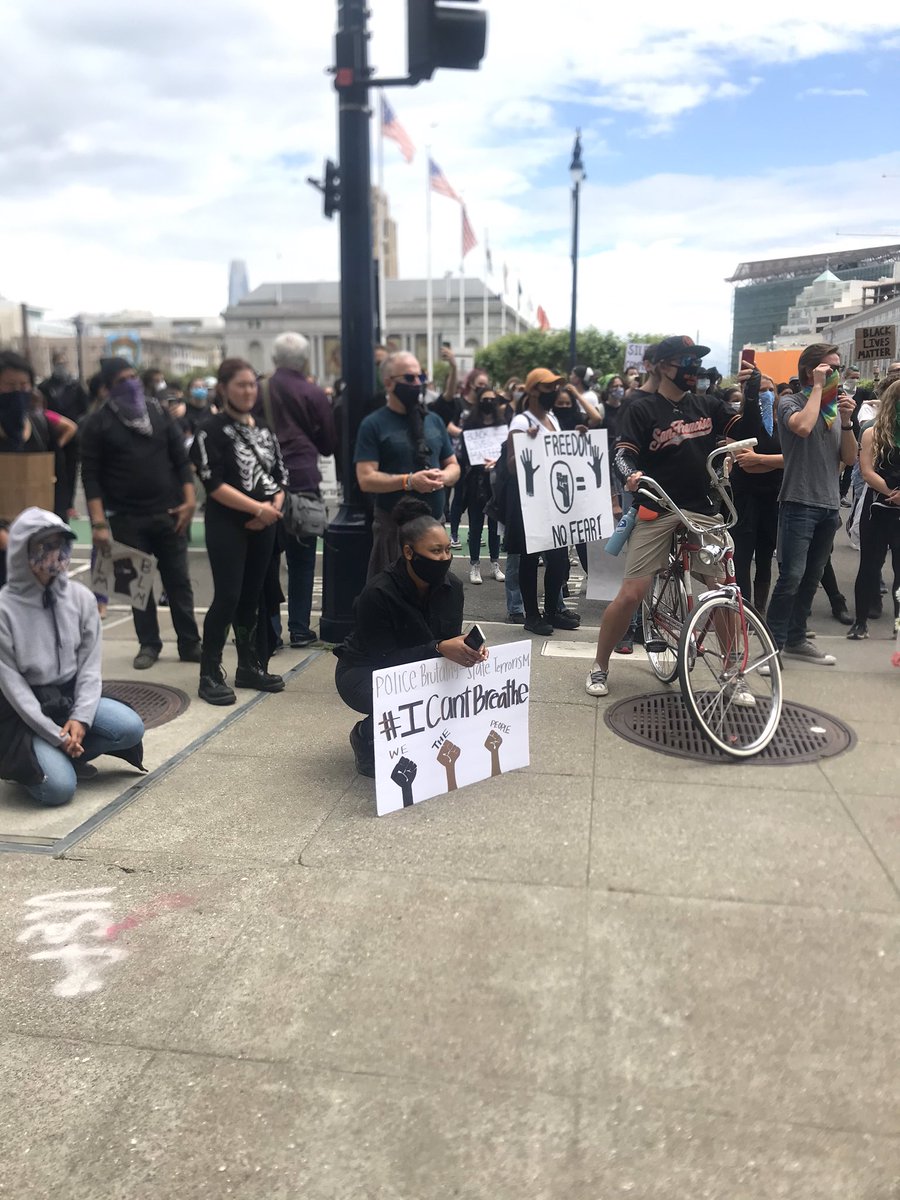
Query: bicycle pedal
x=657, y=646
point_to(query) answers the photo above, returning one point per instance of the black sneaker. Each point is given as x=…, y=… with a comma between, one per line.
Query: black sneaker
x=258, y=679
x=84, y=771
x=856, y=633
x=300, y=640
x=214, y=690
x=145, y=658
x=363, y=752
x=516, y=618
x=539, y=626
x=840, y=614
x=565, y=620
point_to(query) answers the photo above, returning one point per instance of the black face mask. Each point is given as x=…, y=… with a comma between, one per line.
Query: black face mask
x=430, y=570
x=13, y=410
x=486, y=406
x=546, y=400
x=686, y=378
x=567, y=417
x=409, y=394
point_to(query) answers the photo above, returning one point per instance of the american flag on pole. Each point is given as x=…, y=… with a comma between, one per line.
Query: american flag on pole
x=488, y=262
x=505, y=279
x=469, y=240
x=542, y=319
x=439, y=182
x=391, y=128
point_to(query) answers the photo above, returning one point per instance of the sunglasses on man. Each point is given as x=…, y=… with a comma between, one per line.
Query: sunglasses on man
x=410, y=378
x=548, y=389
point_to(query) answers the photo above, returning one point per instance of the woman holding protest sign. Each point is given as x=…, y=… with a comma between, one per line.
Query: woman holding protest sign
x=410, y=612
x=484, y=413
x=541, y=390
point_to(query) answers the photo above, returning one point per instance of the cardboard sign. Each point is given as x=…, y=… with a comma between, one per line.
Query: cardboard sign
x=123, y=573
x=564, y=488
x=485, y=444
x=875, y=342
x=439, y=727
x=26, y=480
x=634, y=354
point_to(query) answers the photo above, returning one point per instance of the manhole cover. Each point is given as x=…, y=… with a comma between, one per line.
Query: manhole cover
x=155, y=703
x=660, y=721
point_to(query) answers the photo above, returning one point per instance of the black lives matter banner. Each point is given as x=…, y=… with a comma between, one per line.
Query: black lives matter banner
x=564, y=488
x=439, y=727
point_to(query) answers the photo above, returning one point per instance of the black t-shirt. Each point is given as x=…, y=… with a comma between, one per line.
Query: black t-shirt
x=449, y=410
x=246, y=457
x=671, y=442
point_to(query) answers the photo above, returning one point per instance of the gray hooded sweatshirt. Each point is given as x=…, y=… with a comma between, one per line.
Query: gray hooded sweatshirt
x=35, y=649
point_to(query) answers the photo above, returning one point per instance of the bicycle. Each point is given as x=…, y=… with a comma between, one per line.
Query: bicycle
x=717, y=644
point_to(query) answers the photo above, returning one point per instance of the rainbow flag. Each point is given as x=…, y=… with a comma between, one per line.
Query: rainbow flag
x=829, y=402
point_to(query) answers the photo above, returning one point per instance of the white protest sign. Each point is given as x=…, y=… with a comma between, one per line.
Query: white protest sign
x=122, y=571
x=485, y=444
x=439, y=727
x=564, y=488
x=605, y=572
x=634, y=354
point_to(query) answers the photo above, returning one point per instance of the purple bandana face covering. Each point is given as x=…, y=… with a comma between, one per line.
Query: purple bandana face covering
x=130, y=399
x=50, y=552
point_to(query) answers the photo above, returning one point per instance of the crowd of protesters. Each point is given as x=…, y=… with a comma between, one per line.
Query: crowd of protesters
x=248, y=449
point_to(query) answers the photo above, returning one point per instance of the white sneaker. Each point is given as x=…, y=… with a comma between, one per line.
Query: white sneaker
x=496, y=572
x=765, y=670
x=596, y=684
x=475, y=573
x=742, y=696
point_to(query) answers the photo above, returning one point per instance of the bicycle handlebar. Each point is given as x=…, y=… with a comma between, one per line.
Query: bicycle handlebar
x=660, y=494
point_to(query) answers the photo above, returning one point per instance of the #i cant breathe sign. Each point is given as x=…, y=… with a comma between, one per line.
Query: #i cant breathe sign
x=439, y=727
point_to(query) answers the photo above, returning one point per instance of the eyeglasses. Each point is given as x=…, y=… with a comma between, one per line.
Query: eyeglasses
x=690, y=361
x=410, y=378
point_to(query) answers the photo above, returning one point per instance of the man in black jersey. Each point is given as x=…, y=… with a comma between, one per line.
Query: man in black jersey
x=666, y=432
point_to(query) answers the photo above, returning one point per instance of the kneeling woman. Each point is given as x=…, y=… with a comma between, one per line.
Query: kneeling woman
x=53, y=720
x=409, y=612
x=244, y=476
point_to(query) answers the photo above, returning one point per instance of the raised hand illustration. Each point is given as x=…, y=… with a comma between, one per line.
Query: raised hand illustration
x=527, y=460
x=596, y=465
x=447, y=756
x=564, y=489
x=403, y=775
x=492, y=743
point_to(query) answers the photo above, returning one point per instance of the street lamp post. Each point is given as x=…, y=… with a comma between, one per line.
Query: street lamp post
x=576, y=171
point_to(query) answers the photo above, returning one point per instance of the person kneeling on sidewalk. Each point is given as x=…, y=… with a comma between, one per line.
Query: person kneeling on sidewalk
x=411, y=611
x=53, y=719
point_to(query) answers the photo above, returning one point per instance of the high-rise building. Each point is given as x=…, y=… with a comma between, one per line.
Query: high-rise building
x=765, y=291
x=381, y=213
x=238, y=285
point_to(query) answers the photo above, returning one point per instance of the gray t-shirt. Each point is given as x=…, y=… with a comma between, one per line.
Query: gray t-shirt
x=812, y=465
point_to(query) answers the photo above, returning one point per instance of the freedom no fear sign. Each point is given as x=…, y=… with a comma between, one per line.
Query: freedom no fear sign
x=564, y=487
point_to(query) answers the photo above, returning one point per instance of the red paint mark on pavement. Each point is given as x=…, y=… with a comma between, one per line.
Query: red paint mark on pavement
x=147, y=912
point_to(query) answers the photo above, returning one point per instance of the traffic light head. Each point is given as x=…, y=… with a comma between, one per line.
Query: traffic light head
x=444, y=35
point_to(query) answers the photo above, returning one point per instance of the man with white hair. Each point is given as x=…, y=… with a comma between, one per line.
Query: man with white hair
x=402, y=448
x=301, y=418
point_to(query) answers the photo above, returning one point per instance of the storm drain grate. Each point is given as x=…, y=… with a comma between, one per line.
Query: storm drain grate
x=660, y=721
x=154, y=703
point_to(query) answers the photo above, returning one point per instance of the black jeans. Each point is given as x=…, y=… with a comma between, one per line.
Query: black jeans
x=556, y=563
x=239, y=559
x=879, y=531
x=156, y=535
x=755, y=536
x=354, y=686
x=476, y=525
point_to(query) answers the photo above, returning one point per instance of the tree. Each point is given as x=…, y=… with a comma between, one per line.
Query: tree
x=519, y=353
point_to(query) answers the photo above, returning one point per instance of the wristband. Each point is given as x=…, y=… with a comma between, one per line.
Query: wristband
x=847, y=428
x=99, y=525
x=407, y=485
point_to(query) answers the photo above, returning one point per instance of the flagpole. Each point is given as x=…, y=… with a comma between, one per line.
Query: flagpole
x=462, y=283
x=484, y=339
x=429, y=291
x=503, y=304
x=382, y=225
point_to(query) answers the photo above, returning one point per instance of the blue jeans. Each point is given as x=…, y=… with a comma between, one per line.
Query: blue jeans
x=514, y=602
x=805, y=537
x=115, y=727
x=300, y=554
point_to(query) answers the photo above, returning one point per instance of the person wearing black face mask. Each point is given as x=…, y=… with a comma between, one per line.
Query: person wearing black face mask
x=402, y=448
x=475, y=481
x=409, y=612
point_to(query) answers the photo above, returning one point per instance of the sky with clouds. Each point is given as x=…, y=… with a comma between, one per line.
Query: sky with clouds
x=145, y=145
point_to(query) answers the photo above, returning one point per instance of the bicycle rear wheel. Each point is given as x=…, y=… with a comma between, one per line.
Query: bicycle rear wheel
x=719, y=657
x=663, y=614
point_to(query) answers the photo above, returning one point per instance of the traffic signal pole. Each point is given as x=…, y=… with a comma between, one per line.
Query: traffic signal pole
x=347, y=538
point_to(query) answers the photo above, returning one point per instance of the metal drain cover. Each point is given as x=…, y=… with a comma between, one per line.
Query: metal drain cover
x=660, y=721
x=154, y=703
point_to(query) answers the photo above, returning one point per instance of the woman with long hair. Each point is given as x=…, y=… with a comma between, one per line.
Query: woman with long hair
x=411, y=611
x=879, y=523
x=476, y=485
x=475, y=381
x=240, y=464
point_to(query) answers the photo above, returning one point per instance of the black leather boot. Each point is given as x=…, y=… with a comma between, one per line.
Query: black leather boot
x=213, y=688
x=249, y=673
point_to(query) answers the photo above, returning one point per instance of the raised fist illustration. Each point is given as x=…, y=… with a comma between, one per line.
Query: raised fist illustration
x=403, y=775
x=492, y=743
x=562, y=486
x=596, y=465
x=527, y=460
x=447, y=756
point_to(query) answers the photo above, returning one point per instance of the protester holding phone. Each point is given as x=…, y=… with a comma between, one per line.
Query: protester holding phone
x=409, y=612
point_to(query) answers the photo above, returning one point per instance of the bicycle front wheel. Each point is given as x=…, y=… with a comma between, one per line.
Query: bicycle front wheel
x=663, y=615
x=723, y=645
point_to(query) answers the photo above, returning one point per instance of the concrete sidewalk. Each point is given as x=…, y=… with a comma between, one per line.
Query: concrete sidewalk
x=615, y=973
